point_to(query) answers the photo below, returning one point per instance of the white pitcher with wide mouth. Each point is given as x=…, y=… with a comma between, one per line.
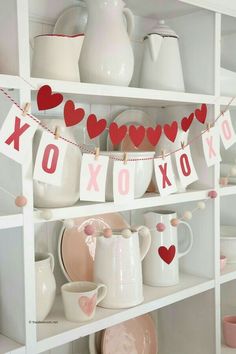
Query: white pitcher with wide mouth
x=162, y=67
x=161, y=265
x=117, y=264
x=107, y=55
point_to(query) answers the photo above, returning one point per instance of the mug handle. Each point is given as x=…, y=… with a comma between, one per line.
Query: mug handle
x=181, y=254
x=101, y=291
x=52, y=263
x=146, y=240
x=130, y=21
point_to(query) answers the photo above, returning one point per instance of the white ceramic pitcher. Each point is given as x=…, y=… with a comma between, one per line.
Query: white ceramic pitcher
x=107, y=56
x=45, y=284
x=161, y=265
x=118, y=266
x=48, y=195
x=56, y=56
x=162, y=67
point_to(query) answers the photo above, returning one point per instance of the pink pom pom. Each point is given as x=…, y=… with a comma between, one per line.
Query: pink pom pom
x=160, y=227
x=107, y=233
x=212, y=194
x=20, y=201
x=174, y=222
x=89, y=230
x=224, y=181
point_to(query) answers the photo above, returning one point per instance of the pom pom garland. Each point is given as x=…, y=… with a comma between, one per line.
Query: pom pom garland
x=20, y=201
x=175, y=222
x=89, y=230
x=69, y=224
x=126, y=233
x=107, y=233
x=46, y=214
x=160, y=227
x=201, y=205
x=187, y=215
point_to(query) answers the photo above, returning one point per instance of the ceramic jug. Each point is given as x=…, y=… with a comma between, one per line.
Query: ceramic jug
x=161, y=265
x=45, y=284
x=118, y=266
x=107, y=56
x=162, y=67
x=67, y=194
x=56, y=56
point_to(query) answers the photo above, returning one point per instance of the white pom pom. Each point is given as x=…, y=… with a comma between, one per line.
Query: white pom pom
x=188, y=215
x=46, y=214
x=233, y=171
x=144, y=231
x=126, y=233
x=201, y=205
x=69, y=224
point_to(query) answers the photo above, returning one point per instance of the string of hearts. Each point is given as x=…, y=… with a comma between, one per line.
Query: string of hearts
x=95, y=127
x=48, y=100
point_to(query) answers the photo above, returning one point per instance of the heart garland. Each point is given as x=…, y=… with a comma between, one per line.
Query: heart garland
x=72, y=116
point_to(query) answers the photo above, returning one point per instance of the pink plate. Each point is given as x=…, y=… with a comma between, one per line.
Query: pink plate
x=77, y=250
x=136, y=336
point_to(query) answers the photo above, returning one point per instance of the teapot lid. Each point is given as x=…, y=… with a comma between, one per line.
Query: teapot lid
x=163, y=30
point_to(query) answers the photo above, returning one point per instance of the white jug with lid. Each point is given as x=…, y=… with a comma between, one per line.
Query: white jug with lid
x=162, y=67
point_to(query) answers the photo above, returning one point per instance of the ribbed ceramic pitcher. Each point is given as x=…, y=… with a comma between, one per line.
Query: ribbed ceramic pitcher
x=161, y=265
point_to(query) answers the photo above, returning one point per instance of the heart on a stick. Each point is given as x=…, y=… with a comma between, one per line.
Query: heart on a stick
x=87, y=304
x=167, y=254
x=46, y=99
x=95, y=127
x=72, y=115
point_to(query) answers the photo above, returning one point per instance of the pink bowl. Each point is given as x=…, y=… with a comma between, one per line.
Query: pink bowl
x=229, y=330
x=223, y=261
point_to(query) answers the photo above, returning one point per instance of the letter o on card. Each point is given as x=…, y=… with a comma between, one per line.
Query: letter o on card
x=50, y=158
x=185, y=166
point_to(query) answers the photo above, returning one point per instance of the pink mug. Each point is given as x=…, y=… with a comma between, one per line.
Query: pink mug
x=229, y=330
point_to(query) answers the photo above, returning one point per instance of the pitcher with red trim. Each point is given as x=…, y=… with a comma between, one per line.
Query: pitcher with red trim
x=161, y=265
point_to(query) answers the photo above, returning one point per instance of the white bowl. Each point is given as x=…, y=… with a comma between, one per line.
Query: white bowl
x=228, y=243
x=143, y=171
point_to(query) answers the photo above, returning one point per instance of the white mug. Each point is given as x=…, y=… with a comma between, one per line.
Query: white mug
x=81, y=298
x=161, y=265
x=57, y=56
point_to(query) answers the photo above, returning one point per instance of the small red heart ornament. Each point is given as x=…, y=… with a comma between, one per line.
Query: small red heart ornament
x=72, y=116
x=95, y=127
x=167, y=254
x=116, y=133
x=87, y=304
x=201, y=113
x=46, y=99
x=171, y=130
x=186, y=122
x=154, y=135
x=136, y=134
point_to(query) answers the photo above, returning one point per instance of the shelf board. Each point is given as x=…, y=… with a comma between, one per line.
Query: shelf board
x=228, y=190
x=9, y=346
x=149, y=200
x=228, y=273
x=227, y=350
x=106, y=94
x=10, y=221
x=226, y=7
x=59, y=331
x=11, y=82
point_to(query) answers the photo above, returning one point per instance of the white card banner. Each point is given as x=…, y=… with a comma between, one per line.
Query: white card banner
x=93, y=178
x=211, y=146
x=16, y=135
x=123, y=181
x=185, y=166
x=50, y=158
x=227, y=132
x=164, y=176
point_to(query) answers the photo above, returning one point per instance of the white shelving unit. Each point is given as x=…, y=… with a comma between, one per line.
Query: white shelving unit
x=195, y=301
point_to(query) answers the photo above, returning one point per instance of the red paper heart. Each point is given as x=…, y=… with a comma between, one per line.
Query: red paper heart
x=136, y=134
x=171, y=131
x=87, y=304
x=46, y=99
x=117, y=134
x=167, y=254
x=201, y=113
x=186, y=122
x=95, y=127
x=72, y=116
x=154, y=135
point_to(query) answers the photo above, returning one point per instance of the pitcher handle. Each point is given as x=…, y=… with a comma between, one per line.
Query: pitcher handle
x=181, y=254
x=145, y=244
x=52, y=263
x=130, y=21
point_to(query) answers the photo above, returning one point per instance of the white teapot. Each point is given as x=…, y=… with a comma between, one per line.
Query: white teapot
x=162, y=67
